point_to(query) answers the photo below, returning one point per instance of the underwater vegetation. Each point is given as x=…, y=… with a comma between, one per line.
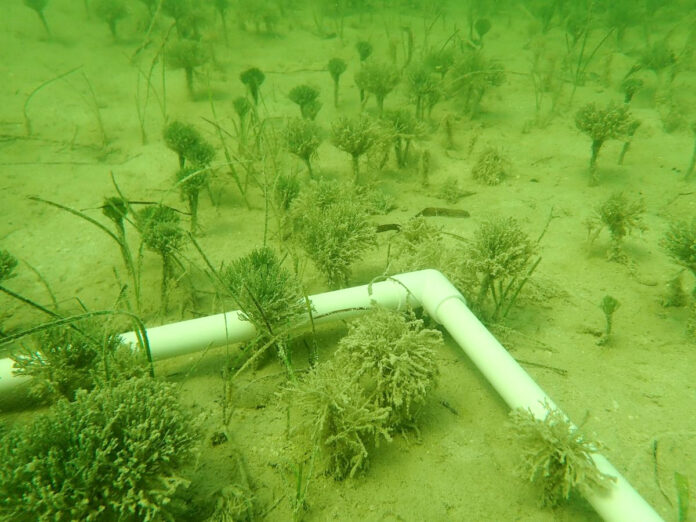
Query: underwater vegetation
x=8, y=263
x=620, y=216
x=336, y=68
x=253, y=78
x=269, y=296
x=393, y=355
x=401, y=128
x=375, y=386
x=187, y=55
x=330, y=222
x=64, y=360
x=192, y=177
x=424, y=88
x=355, y=136
x=161, y=233
x=556, y=456
x=602, y=124
x=419, y=245
x=307, y=98
x=191, y=180
x=470, y=77
x=115, y=453
x=264, y=289
x=608, y=305
x=262, y=151
x=680, y=243
x=303, y=139
x=188, y=144
x=345, y=421
x=38, y=6
x=501, y=256
x=378, y=79
x=110, y=12
x=491, y=167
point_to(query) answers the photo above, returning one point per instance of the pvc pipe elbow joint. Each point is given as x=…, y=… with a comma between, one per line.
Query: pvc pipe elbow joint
x=431, y=289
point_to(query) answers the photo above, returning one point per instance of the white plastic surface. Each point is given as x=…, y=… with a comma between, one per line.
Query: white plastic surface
x=194, y=335
x=621, y=503
x=9, y=381
x=442, y=301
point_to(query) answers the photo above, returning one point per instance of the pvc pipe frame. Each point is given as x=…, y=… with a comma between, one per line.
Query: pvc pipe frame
x=446, y=305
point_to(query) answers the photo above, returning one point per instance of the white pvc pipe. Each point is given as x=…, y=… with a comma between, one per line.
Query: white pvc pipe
x=8, y=379
x=620, y=503
x=195, y=335
x=446, y=305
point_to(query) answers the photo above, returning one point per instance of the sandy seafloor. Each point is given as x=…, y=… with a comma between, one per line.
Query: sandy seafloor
x=638, y=389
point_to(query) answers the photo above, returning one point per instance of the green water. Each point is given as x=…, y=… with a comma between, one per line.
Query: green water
x=545, y=148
